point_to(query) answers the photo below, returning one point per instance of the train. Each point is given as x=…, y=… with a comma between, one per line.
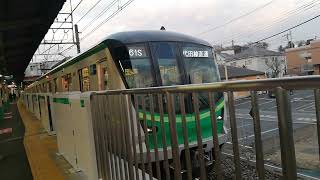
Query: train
x=143, y=59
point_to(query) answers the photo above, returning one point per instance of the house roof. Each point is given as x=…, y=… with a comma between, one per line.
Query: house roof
x=226, y=56
x=253, y=52
x=236, y=72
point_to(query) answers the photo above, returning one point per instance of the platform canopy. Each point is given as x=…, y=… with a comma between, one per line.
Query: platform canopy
x=23, y=24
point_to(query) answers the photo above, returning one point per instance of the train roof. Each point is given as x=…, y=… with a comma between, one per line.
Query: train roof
x=129, y=37
x=153, y=36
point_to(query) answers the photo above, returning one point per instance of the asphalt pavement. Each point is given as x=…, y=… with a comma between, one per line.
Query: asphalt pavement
x=14, y=163
x=303, y=114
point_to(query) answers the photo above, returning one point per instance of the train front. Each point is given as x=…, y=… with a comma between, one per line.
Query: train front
x=182, y=60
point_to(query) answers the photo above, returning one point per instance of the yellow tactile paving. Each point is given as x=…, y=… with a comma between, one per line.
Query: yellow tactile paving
x=38, y=147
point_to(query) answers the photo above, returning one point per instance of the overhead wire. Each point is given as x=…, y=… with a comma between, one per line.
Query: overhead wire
x=288, y=29
x=108, y=18
x=102, y=23
x=237, y=18
x=89, y=11
x=99, y=15
x=51, y=46
x=282, y=18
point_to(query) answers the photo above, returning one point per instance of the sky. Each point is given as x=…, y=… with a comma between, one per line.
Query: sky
x=216, y=21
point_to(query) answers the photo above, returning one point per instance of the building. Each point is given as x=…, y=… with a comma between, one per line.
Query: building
x=272, y=63
x=37, y=69
x=304, y=60
x=237, y=74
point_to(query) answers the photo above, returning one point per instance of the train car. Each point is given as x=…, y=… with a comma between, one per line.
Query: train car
x=141, y=59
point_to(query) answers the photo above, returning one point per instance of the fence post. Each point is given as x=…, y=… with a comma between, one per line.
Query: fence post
x=234, y=134
x=257, y=135
x=317, y=106
x=288, y=158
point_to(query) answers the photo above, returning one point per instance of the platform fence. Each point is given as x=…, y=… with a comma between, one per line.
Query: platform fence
x=122, y=148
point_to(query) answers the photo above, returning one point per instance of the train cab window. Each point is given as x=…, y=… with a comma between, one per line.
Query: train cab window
x=66, y=82
x=165, y=53
x=200, y=68
x=200, y=65
x=84, y=79
x=137, y=68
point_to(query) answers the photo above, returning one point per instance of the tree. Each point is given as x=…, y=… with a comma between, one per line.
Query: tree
x=276, y=66
x=281, y=49
x=263, y=45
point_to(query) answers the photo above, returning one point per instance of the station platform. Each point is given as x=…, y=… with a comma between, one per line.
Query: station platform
x=27, y=152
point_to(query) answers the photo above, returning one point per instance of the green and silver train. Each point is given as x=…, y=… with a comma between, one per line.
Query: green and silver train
x=142, y=59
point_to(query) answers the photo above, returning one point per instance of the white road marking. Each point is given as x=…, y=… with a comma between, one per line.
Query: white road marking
x=301, y=121
x=264, y=132
x=311, y=105
x=242, y=103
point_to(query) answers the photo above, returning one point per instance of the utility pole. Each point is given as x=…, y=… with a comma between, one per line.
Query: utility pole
x=226, y=72
x=289, y=39
x=232, y=43
x=76, y=31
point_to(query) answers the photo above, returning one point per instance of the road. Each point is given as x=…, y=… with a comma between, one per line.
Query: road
x=303, y=114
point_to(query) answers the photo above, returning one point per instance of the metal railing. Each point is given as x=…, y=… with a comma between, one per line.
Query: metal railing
x=120, y=126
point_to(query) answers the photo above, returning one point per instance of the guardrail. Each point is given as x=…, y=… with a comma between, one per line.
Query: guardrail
x=123, y=151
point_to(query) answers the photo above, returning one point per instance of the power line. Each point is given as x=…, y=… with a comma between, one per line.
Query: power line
x=69, y=14
x=89, y=11
x=108, y=18
x=287, y=29
x=100, y=14
x=237, y=18
x=288, y=14
x=281, y=20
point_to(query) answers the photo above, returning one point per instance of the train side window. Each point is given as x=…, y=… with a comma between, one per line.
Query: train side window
x=105, y=73
x=84, y=79
x=66, y=82
x=49, y=87
x=55, y=84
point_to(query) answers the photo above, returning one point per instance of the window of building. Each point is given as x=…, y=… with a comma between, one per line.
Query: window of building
x=84, y=79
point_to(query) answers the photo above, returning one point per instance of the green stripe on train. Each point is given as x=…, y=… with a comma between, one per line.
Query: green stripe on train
x=205, y=123
x=61, y=100
x=189, y=117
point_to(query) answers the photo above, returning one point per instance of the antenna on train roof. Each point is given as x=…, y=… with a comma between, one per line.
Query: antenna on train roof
x=162, y=28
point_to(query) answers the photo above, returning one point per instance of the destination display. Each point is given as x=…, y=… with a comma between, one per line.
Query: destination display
x=137, y=51
x=195, y=54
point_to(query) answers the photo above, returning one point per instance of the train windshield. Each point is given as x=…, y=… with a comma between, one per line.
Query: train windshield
x=166, y=56
x=137, y=68
x=200, y=65
x=201, y=68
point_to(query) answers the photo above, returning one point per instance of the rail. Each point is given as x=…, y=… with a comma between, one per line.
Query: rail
x=128, y=125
